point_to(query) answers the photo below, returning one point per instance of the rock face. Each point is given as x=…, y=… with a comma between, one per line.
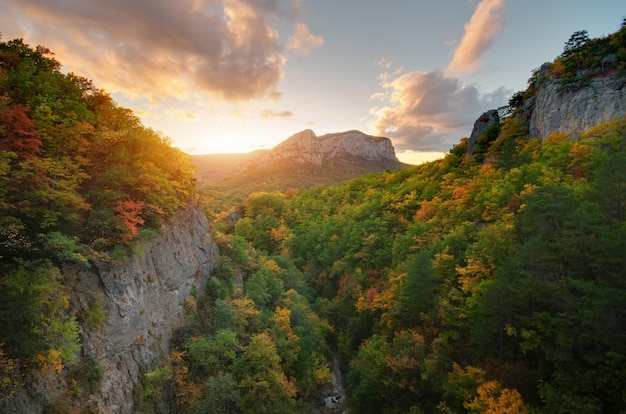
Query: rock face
x=306, y=147
x=301, y=147
x=480, y=126
x=144, y=302
x=575, y=110
x=354, y=144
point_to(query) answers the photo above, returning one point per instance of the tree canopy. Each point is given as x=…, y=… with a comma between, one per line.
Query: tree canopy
x=80, y=179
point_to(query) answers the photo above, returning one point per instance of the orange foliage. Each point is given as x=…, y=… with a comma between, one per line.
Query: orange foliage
x=459, y=193
x=187, y=392
x=129, y=211
x=556, y=137
x=426, y=211
x=557, y=68
x=51, y=360
x=579, y=155
x=493, y=399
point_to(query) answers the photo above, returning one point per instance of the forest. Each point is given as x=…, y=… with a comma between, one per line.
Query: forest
x=81, y=180
x=490, y=281
x=455, y=286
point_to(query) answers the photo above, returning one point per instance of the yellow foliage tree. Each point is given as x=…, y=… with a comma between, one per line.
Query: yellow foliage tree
x=493, y=399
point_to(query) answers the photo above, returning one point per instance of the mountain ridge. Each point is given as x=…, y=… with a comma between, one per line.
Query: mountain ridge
x=306, y=151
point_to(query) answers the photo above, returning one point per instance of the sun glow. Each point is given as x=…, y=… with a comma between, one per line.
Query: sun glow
x=417, y=157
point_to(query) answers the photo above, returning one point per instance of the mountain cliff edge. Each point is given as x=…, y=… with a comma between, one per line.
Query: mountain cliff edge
x=144, y=301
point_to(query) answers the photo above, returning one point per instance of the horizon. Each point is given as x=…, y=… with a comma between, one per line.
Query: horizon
x=418, y=158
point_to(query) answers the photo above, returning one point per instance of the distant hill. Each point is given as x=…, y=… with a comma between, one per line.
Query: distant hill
x=302, y=160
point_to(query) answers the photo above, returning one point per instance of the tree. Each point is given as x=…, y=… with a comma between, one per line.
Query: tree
x=209, y=356
x=18, y=133
x=221, y=394
x=34, y=317
x=577, y=40
x=609, y=186
x=493, y=399
x=264, y=286
x=573, y=50
x=263, y=384
x=129, y=212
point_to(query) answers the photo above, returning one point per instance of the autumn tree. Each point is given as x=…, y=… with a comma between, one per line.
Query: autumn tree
x=18, y=133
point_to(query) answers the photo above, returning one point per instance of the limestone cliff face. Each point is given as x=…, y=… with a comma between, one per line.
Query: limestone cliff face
x=301, y=147
x=306, y=147
x=572, y=111
x=144, y=303
x=355, y=144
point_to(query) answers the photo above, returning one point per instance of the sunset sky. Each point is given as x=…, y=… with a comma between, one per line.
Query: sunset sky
x=239, y=75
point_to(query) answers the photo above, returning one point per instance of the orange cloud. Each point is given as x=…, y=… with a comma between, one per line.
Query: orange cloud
x=269, y=113
x=486, y=23
x=302, y=42
x=229, y=49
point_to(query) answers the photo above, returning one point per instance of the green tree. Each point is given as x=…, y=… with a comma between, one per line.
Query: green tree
x=212, y=355
x=609, y=186
x=577, y=40
x=263, y=384
x=220, y=395
x=34, y=314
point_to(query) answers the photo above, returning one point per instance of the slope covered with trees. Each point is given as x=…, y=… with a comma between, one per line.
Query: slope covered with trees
x=490, y=282
x=80, y=180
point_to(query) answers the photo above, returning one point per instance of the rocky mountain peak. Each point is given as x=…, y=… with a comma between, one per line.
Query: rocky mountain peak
x=306, y=147
x=301, y=147
x=355, y=144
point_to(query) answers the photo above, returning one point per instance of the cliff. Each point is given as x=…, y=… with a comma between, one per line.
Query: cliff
x=572, y=110
x=144, y=304
x=356, y=145
x=306, y=147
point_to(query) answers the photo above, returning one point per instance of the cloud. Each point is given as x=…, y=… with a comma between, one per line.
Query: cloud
x=181, y=115
x=269, y=113
x=229, y=49
x=486, y=23
x=302, y=42
x=428, y=111
x=431, y=111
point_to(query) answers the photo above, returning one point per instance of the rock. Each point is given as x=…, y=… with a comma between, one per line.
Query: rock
x=144, y=303
x=301, y=147
x=480, y=126
x=306, y=147
x=356, y=145
x=572, y=111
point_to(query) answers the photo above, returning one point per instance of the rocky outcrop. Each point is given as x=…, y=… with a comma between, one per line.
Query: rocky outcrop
x=572, y=110
x=480, y=127
x=356, y=145
x=144, y=301
x=301, y=147
x=306, y=147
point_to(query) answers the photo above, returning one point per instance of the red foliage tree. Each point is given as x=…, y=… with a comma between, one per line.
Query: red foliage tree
x=18, y=133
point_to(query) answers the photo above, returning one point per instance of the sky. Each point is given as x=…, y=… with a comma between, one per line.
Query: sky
x=232, y=76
